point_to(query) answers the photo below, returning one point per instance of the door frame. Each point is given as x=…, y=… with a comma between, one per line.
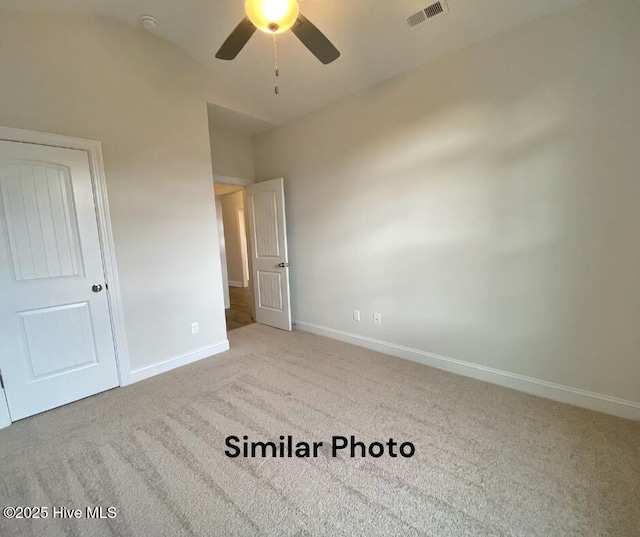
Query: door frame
x=243, y=241
x=93, y=149
x=223, y=253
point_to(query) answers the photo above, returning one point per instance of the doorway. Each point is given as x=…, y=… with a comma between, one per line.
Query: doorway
x=234, y=255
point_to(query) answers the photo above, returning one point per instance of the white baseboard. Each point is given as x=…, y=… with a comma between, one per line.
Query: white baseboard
x=558, y=392
x=178, y=361
x=235, y=284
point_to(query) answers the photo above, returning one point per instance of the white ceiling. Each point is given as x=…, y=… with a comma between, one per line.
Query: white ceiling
x=372, y=35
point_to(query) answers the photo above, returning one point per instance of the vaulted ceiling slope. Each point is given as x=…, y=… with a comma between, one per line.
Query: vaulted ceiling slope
x=375, y=41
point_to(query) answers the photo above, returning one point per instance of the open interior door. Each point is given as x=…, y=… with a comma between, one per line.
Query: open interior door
x=270, y=259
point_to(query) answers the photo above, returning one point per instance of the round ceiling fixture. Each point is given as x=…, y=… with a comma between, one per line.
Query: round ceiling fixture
x=272, y=16
x=148, y=22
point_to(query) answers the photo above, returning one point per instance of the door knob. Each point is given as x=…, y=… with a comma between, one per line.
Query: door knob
x=283, y=265
x=96, y=288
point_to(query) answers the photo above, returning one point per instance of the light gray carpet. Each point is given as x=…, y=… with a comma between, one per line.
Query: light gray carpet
x=489, y=461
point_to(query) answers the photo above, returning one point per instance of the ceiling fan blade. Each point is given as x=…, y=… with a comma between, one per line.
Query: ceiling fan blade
x=236, y=40
x=315, y=40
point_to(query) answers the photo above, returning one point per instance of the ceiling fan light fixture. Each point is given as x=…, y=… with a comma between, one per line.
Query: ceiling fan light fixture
x=272, y=16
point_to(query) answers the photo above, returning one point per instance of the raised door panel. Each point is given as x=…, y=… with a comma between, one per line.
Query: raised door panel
x=265, y=215
x=58, y=339
x=40, y=221
x=270, y=290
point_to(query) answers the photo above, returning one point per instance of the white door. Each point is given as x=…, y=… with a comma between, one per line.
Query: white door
x=223, y=255
x=267, y=225
x=56, y=344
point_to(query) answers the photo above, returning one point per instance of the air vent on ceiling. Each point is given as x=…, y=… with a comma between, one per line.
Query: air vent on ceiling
x=428, y=13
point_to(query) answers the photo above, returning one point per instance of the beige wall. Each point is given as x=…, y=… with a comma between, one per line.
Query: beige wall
x=145, y=100
x=486, y=204
x=230, y=205
x=231, y=152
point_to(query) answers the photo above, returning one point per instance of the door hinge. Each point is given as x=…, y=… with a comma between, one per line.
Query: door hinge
x=1, y=381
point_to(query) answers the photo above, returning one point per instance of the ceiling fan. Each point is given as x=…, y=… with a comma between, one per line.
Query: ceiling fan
x=275, y=17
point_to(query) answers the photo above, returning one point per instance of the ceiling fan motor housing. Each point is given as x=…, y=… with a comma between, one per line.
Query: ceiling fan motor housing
x=272, y=16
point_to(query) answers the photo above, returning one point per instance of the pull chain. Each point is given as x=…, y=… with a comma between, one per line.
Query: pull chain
x=275, y=63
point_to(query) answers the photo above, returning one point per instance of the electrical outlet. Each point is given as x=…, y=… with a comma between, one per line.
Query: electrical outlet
x=377, y=319
x=356, y=315
x=195, y=328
